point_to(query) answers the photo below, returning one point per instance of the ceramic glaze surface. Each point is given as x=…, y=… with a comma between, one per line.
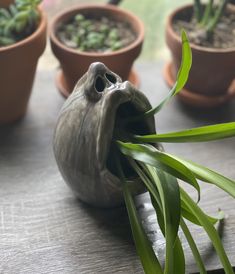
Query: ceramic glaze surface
x=84, y=132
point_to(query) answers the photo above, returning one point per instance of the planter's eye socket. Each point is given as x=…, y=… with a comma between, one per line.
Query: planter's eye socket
x=99, y=84
x=111, y=78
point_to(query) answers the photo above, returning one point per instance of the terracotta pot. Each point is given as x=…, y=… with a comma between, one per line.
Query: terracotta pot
x=74, y=64
x=212, y=72
x=17, y=70
x=5, y=3
x=84, y=132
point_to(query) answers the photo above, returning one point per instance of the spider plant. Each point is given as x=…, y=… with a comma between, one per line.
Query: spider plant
x=159, y=172
x=208, y=15
x=18, y=21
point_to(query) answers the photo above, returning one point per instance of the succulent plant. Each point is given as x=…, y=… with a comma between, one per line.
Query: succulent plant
x=208, y=15
x=107, y=150
x=18, y=21
x=94, y=34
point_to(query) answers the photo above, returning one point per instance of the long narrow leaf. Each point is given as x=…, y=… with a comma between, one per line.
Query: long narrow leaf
x=166, y=198
x=200, y=134
x=209, y=176
x=145, y=251
x=161, y=160
x=218, y=13
x=144, y=248
x=189, y=215
x=193, y=247
x=182, y=75
x=178, y=259
x=198, y=10
x=210, y=230
x=181, y=78
x=207, y=13
x=170, y=199
x=178, y=252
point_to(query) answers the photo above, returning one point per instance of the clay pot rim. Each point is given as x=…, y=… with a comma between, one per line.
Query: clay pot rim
x=42, y=25
x=192, y=45
x=107, y=7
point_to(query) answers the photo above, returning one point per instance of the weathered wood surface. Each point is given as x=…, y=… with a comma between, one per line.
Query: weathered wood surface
x=44, y=229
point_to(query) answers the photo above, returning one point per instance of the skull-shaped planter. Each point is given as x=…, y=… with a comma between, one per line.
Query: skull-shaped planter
x=83, y=136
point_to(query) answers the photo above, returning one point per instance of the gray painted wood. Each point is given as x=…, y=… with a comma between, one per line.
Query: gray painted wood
x=44, y=229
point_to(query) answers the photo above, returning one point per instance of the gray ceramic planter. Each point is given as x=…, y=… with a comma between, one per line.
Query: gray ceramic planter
x=83, y=135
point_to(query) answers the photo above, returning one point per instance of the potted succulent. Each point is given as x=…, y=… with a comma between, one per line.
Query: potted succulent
x=22, y=41
x=213, y=47
x=90, y=33
x=107, y=150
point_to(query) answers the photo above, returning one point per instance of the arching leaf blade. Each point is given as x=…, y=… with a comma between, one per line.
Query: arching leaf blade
x=193, y=247
x=209, y=176
x=200, y=134
x=144, y=248
x=210, y=230
x=161, y=160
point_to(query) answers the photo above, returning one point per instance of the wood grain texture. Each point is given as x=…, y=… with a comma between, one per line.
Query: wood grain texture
x=44, y=229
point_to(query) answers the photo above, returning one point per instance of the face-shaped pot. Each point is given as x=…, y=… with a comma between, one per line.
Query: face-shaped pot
x=84, y=133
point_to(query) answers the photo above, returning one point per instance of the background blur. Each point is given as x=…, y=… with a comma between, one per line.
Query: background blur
x=152, y=12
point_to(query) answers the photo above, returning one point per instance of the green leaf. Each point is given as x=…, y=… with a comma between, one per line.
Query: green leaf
x=218, y=13
x=144, y=248
x=197, y=10
x=209, y=176
x=207, y=13
x=145, y=251
x=182, y=75
x=178, y=253
x=187, y=214
x=161, y=160
x=179, y=259
x=181, y=79
x=166, y=201
x=193, y=247
x=210, y=230
x=168, y=189
x=200, y=134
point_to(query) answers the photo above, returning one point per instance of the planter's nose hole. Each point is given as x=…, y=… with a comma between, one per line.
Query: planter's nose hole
x=111, y=78
x=100, y=84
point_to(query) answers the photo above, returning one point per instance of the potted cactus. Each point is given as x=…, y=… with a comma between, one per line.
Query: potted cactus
x=107, y=150
x=213, y=47
x=22, y=41
x=90, y=33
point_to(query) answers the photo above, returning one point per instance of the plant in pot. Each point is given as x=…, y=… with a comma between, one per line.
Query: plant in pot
x=22, y=41
x=91, y=33
x=107, y=150
x=210, y=29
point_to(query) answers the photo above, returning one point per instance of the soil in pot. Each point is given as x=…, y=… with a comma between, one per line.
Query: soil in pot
x=223, y=36
x=100, y=34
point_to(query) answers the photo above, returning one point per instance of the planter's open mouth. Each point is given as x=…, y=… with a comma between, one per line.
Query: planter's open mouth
x=124, y=132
